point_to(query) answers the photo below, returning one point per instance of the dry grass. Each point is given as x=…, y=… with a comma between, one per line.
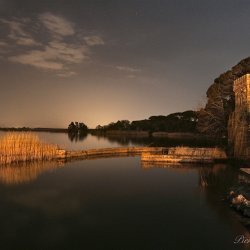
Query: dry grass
x=21, y=147
x=215, y=153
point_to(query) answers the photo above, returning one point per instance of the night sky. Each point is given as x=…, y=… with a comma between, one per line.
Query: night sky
x=103, y=61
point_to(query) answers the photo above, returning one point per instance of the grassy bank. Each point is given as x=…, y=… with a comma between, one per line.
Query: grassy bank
x=19, y=147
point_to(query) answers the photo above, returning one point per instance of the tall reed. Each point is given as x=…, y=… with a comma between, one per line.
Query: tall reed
x=20, y=147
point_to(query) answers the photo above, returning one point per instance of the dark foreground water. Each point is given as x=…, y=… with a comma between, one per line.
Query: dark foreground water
x=118, y=203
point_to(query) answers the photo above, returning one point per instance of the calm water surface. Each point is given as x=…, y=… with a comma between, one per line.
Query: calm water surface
x=87, y=142
x=116, y=203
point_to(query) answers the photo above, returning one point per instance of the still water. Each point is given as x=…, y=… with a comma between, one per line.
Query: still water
x=116, y=203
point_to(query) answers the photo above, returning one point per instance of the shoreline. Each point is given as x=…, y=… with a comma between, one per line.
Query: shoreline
x=50, y=130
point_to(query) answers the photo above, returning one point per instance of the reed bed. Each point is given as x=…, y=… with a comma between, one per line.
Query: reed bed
x=21, y=147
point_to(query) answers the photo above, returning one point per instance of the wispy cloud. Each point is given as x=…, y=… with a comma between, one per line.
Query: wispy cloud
x=93, y=40
x=128, y=69
x=4, y=48
x=57, y=25
x=16, y=27
x=54, y=56
x=131, y=76
x=61, y=48
x=67, y=74
x=3, y=44
x=18, y=33
x=38, y=59
x=26, y=41
x=69, y=53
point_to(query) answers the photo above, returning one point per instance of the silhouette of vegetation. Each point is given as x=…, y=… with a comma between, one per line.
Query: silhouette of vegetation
x=213, y=118
x=77, y=131
x=77, y=127
x=176, y=122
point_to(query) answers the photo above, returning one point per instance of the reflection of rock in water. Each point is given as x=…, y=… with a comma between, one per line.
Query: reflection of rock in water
x=25, y=172
x=220, y=176
x=215, y=183
x=210, y=175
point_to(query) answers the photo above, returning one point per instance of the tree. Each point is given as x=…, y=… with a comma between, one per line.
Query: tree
x=76, y=127
x=72, y=127
x=82, y=127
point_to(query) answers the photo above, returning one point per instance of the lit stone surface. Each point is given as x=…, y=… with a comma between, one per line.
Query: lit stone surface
x=238, y=126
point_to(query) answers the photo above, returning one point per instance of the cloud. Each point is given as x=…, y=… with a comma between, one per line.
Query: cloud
x=26, y=41
x=55, y=56
x=15, y=27
x=57, y=25
x=61, y=47
x=4, y=48
x=128, y=69
x=3, y=44
x=18, y=33
x=67, y=74
x=93, y=40
x=68, y=53
x=38, y=59
x=131, y=76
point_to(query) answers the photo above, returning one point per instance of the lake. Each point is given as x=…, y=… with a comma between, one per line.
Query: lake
x=116, y=203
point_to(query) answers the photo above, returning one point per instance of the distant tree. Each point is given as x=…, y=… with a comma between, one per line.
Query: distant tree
x=82, y=127
x=99, y=127
x=176, y=122
x=76, y=127
x=119, y=125
x=72, y=127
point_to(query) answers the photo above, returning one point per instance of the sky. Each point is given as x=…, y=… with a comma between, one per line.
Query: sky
x=98, y=61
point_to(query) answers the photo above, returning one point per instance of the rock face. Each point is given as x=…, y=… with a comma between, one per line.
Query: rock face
x=239, y=198
x=238, y=125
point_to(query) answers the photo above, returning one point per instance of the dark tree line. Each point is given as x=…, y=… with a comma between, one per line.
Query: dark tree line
x=213, y=118
x=176, y=122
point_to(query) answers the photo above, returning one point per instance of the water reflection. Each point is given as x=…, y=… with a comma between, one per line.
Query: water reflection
x=150, y=165
x=219, y=176
x=214, y=183
x=77, y=136
x=25, y=172
x=244, y=178
x=128, y=140
x=114, y=201
x=92, y=140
